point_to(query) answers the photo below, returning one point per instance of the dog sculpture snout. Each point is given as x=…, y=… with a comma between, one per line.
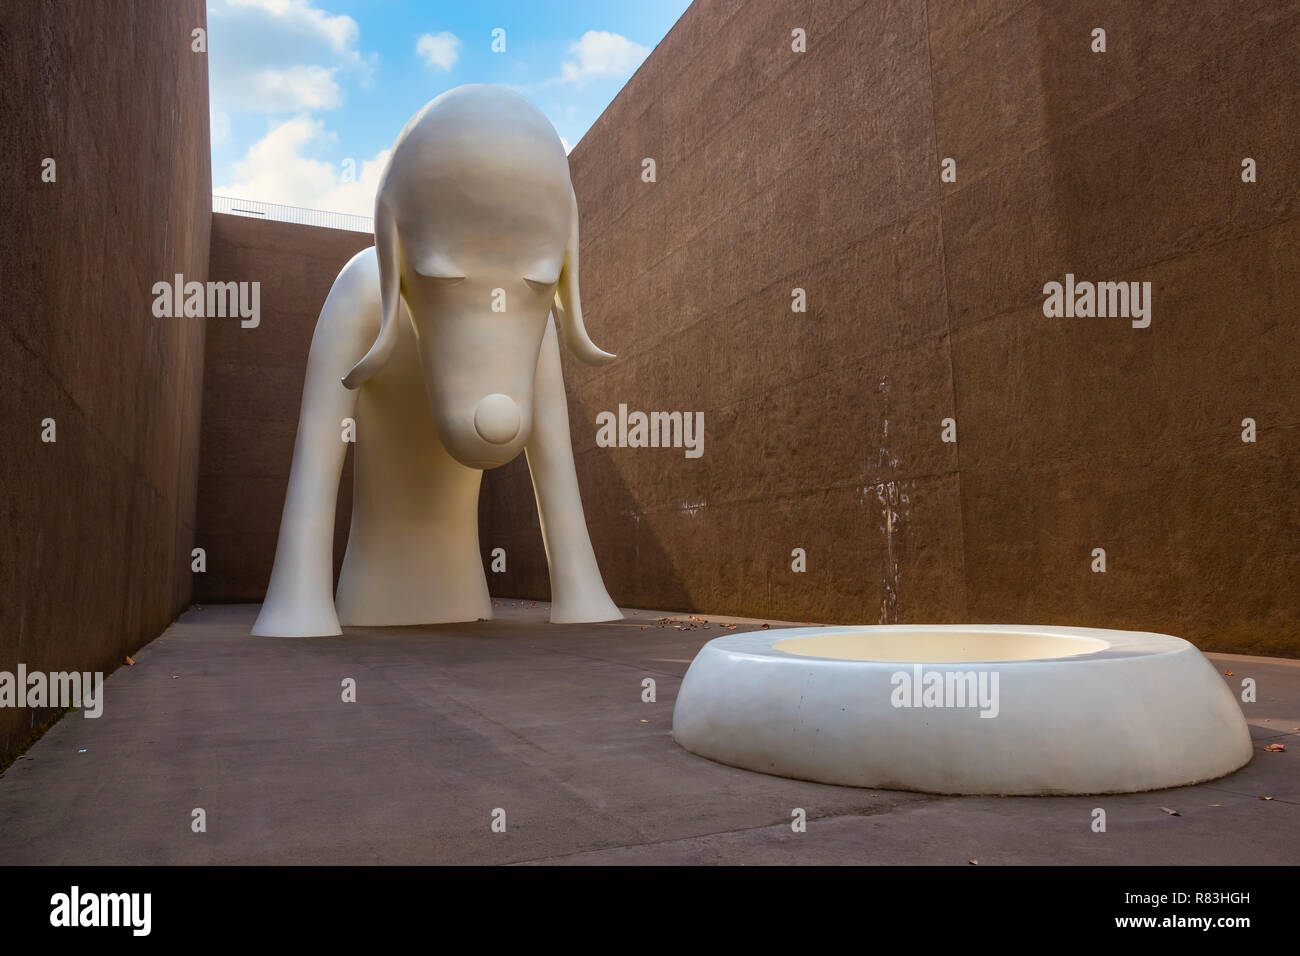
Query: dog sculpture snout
x=496, y=419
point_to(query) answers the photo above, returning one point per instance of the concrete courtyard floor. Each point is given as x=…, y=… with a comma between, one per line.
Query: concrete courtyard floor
x=546, y=722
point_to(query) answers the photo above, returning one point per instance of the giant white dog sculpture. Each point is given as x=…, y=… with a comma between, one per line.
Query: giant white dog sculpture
x=438, y=343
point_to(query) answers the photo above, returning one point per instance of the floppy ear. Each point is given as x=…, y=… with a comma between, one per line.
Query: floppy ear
x=568, y=303
x=390, y=295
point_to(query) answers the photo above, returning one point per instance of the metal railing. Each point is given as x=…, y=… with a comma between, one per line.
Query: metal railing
x=307, y=217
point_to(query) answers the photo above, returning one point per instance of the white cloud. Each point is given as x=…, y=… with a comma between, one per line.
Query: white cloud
x=600, y=53
x=440, y=50
x=276, y=170
x=281, y=56
x=339, y=31
x=289, y=90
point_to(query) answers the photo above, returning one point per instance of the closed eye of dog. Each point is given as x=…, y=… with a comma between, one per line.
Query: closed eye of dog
x=440, y=268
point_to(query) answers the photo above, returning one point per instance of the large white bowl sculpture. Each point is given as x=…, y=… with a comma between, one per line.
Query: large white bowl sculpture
x=963, y=709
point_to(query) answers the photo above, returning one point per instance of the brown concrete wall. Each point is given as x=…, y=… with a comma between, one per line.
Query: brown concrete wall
x=98, y=525
x=252, y=389
x=820, y=170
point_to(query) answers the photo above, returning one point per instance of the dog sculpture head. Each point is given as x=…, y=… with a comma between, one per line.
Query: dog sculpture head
x=476, y=229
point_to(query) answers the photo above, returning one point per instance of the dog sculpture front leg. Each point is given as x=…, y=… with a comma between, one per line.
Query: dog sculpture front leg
x=300, y=598
x=577, y=591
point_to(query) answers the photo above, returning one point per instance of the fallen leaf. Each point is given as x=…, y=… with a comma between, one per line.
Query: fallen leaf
x=765, y=627
x=1214, y=804
x=973, y=862
x=1276, y=748
x=1172, y=813
x=1266, y=798
x=129, y=662
x=1227, y=673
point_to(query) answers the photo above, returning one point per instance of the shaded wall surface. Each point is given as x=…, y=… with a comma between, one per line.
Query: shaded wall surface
x=820, y=170
x=97, y=525
x=252, y=389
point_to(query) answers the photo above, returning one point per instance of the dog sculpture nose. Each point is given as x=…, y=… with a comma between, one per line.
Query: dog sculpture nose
x=497, y=419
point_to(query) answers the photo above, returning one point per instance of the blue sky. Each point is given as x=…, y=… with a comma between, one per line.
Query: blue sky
x=308, y=95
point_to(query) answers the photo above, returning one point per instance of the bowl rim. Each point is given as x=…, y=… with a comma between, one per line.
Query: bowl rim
x=1120, y=645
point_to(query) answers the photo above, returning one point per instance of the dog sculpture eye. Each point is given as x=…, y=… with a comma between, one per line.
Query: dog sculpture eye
x=441, y=269
x=541, y=285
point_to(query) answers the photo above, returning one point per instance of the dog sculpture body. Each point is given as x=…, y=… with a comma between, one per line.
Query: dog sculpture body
x=439, y=344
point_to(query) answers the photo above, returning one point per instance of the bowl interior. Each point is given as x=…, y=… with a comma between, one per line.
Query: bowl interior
x=955, y=646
